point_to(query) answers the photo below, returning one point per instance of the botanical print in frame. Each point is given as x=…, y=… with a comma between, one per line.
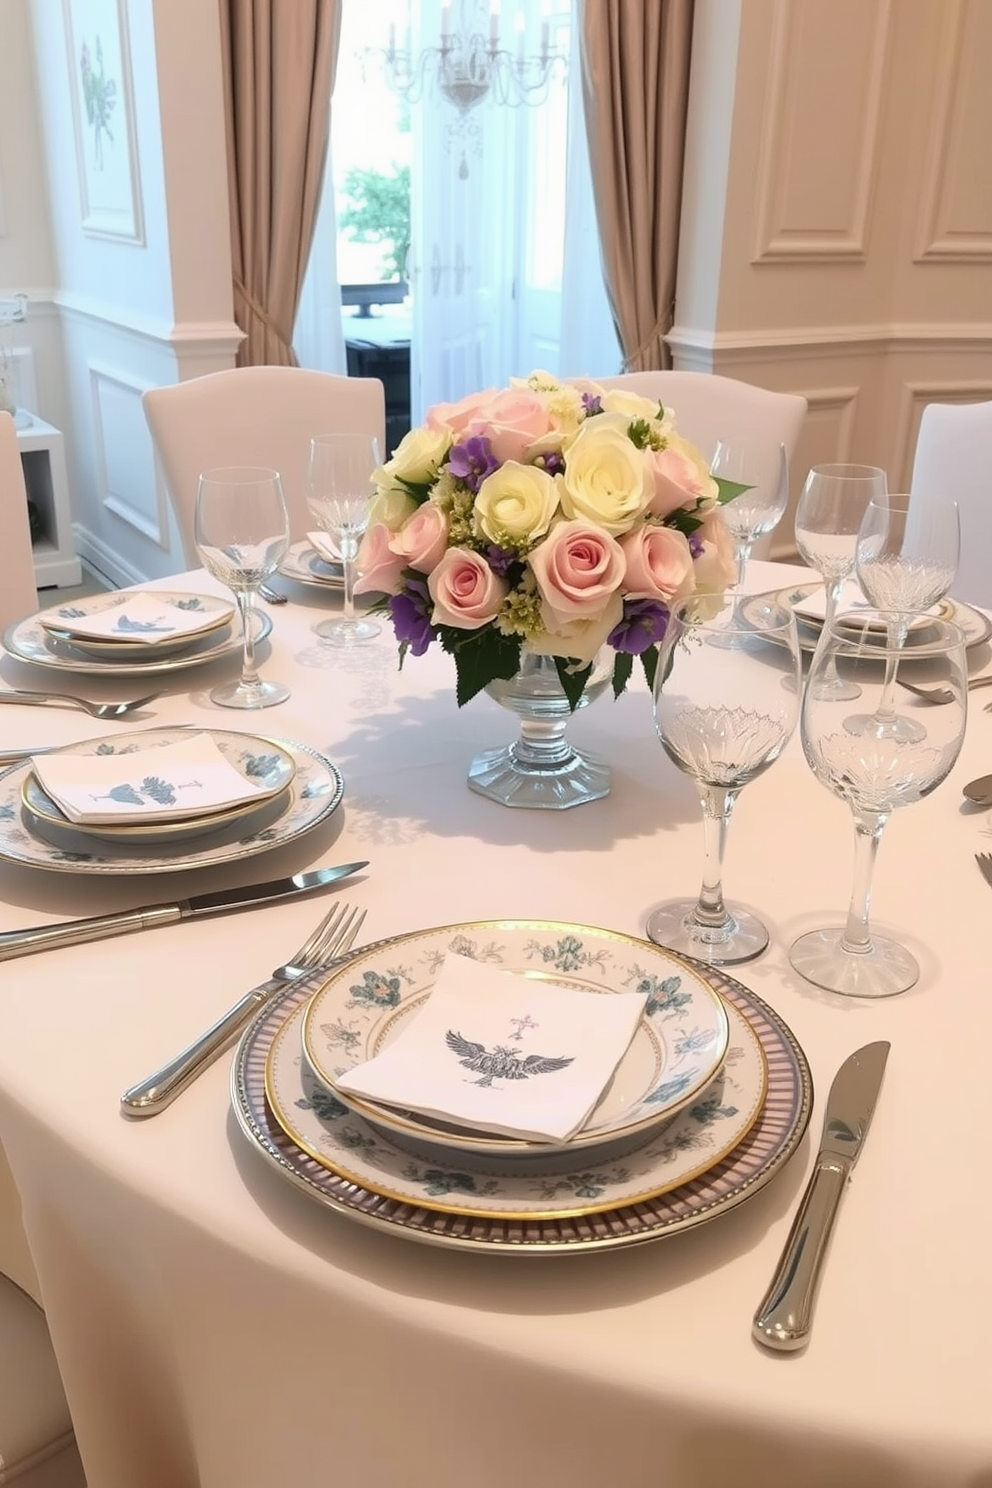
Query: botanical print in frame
x=96, y=33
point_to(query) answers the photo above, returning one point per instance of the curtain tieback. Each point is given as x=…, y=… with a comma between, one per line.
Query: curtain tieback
x=656, y=333
x=258, y=309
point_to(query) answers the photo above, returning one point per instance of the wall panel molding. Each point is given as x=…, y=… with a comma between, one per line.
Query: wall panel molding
x=695, y=350
x=123, y=454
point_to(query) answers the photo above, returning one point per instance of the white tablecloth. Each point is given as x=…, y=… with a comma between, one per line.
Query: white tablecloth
x=217, y=1328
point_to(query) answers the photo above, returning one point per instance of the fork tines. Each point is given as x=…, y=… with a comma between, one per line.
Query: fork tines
x=984, y=861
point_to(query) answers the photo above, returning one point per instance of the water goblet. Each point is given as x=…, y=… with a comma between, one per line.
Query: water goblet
x=907, y=556
x=876, y=773
x=724, y=712
x=241, y=530
x=339, y=495
x=828, y=518
x=762, y=499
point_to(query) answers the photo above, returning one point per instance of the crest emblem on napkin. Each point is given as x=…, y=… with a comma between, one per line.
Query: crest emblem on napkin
x=502, y=1063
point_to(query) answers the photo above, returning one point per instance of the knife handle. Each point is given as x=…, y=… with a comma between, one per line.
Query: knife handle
x=76, y=932
x=785, y=1315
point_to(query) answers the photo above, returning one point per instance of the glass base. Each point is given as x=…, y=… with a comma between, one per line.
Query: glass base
x=673, y=926
x=835, y=689
x=883, y=971
x=261, y=695
x=501, y=776
x=346, y=632
x=874, y=726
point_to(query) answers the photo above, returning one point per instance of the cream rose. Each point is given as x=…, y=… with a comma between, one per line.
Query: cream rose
x=580, y=640
x=605, y=478
x=716, y=566
x=392, y=507
x=632, y=406
x=578, y=569
x=516, y=504
x=378, y=566
x=422, y=539
x=659, y=564
x=416, y=459
x=680, y=477
x=465, y=591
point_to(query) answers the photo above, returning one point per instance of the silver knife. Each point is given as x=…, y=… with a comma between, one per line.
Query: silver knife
x=225, y=901
x=785, y=1316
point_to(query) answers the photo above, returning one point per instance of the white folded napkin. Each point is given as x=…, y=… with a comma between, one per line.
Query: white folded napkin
x=171, y=783
x=142, y=617
x=851, y=601
x=325, y=547
x=496, y=1051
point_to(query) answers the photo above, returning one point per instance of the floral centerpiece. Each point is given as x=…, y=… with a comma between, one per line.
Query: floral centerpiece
x=546, y=518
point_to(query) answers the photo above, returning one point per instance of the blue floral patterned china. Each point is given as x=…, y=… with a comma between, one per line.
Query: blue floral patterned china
x=677, y=1050
x=129, y=624
x=304, y=565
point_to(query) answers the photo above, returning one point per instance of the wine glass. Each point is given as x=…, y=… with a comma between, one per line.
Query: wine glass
x=828, y=519
x=875, y=773
x=723, y=711
x=907, y=557
x=759, y=506
x=241, y=530
x=339, y=495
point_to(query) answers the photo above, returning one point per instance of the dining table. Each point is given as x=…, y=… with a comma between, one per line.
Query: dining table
x=217, y=1325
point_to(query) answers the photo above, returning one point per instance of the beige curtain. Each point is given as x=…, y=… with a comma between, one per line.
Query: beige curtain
x=635, y=81
x=279, y=60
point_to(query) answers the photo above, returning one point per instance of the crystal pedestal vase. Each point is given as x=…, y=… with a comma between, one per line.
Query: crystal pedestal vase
x=541, y=769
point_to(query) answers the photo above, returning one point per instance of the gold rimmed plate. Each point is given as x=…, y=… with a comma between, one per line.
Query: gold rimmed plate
x=976, y=626
x=306, y=566
x=27, y=640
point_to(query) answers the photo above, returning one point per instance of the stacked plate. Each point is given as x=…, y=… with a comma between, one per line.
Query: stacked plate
x=710, y=1100
x=137, y=802
x=802, y=598
x=314, y=562
x=131, y=632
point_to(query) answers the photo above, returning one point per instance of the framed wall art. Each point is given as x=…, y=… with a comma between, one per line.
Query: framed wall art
x=100, y=87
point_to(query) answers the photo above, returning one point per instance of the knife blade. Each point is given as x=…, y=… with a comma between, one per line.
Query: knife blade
x=225, y=901
x=785, y=1316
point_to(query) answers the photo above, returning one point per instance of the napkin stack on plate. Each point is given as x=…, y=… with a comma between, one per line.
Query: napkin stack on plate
x=325, y=547
x=813, y=606
x=142, y=618
x=500, y=1052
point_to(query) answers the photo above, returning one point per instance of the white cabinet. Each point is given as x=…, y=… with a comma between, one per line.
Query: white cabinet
x=43, y=458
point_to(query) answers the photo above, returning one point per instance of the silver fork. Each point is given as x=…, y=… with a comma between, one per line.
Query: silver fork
x=940, y=695
x=68, y=700
x=333, y=936
x=984, y=861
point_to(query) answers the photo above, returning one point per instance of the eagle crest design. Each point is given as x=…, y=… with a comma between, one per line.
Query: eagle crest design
x=500, y=1063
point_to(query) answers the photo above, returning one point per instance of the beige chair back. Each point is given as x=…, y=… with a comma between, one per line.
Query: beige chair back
x=953, y=459
x=255, y=416
x=18, y=595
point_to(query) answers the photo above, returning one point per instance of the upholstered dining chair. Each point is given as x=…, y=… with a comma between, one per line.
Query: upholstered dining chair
x=255, y=416
x=954, y=459
x=709, y=408
x=18, y=595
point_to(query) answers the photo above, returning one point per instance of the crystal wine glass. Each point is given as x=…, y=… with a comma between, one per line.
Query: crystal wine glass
x=907, y=557
x=875, y=773
x=242, y=534
x=339, y=495
x=724, y=712
x=761, y=502
x=828, y=519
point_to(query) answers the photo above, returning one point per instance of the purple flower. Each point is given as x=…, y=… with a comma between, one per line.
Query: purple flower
x=592, y=403
x=473, y=461
x=644, y=623
x=695, y=545
x=553, y=462
x=410, y=611
x=499, y=559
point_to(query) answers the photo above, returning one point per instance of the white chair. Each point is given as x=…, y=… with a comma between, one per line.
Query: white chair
x=954, y=459
x=709, y=408
x=255, y=416
x=18, y=595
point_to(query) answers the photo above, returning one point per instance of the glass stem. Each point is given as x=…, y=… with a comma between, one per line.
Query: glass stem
x=718, y=803
x=349, y=553
x=246, y=608
x=897, y=631
x=742, y=554
x=831, y=589
x=856, y=940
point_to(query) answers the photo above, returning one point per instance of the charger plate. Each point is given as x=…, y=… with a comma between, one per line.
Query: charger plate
x=976, y=626
x=315, y=791
x=264, y=763
x=27, y=640
x=304, y=565
x=359, y=1180
x=677, y=1049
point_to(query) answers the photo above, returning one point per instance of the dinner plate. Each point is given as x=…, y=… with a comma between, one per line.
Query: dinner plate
x=677, y=1049
x=314, y=792
x=27, y=640
x=977, y=627
x=305, y=565
x=62, y=622
x=681, y=1176
x=262, y=762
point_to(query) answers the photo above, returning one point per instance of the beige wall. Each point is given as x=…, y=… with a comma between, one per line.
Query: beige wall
x=837, y=225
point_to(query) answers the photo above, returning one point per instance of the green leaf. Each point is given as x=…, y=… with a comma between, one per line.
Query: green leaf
x=649, y=661
x=481, y=656
x=727, y=490
x=573, y=682
x=622, y=668
x=419, y=491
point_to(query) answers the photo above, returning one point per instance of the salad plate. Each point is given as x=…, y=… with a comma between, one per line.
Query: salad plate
x=28, y=640
x=315, y=791
x=976, y=626
x=305, y=565
x=131, y=623
x=704, y=1162
x=677, y=1049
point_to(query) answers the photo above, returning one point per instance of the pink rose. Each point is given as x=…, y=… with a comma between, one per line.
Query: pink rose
x=659, y=563
x=716, y=566
x=680, y=479
x=458, y=416
x=578, y=568
x=422, y=539
x=380, y=568
x=512, y=421
x=465, y=591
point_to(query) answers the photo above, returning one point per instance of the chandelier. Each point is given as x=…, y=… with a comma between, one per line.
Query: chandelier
x=471, y=65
